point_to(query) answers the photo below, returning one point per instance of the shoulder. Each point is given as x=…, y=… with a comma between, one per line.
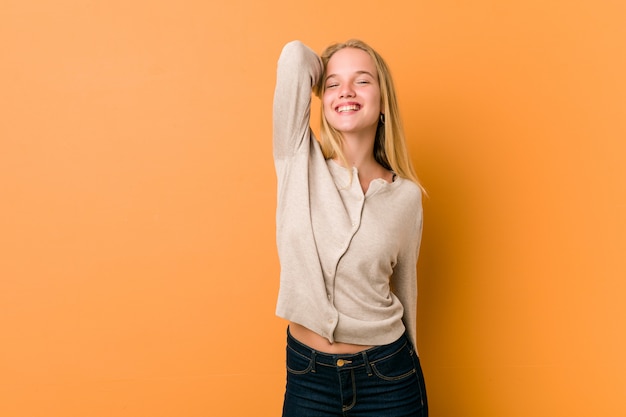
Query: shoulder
x=409, y=190
x=408, y=203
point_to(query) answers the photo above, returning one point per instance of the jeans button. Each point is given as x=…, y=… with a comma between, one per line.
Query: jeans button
x=340, y=362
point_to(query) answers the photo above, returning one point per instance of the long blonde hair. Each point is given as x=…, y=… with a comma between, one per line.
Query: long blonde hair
x=389, y=145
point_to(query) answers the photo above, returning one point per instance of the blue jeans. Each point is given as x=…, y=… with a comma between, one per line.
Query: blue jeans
x=384, y=381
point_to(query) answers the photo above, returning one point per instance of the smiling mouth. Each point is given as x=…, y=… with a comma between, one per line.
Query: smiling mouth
x=347, y=108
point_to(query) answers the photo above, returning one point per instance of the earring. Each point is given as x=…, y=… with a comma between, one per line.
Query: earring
x=382, y=118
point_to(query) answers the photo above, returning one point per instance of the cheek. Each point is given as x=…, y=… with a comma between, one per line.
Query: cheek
x=378, y=100
x=326, y=103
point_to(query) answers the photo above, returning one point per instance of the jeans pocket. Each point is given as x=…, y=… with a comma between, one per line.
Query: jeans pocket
x=297, y=363
x=397, y=366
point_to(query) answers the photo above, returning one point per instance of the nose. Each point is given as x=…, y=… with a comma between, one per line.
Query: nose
x=346, y=91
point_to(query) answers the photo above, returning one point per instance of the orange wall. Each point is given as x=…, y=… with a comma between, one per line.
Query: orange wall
x=138, y=270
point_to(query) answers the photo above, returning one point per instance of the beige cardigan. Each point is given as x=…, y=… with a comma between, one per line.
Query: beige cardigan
x=348, y=260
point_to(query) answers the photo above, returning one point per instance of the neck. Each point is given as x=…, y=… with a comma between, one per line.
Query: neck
x=359, y=151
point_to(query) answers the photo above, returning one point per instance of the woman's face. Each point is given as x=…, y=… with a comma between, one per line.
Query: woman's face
x=351, y=100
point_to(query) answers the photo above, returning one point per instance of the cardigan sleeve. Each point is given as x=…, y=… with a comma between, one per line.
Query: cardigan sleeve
x=299, y=69
x=404, y=277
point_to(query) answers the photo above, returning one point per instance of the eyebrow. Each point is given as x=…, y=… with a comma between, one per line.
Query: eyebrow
x=360, y=72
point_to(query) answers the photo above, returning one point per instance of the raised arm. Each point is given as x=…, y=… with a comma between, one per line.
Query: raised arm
x=299, y=69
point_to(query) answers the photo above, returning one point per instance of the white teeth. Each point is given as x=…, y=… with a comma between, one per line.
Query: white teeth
x=352, y=107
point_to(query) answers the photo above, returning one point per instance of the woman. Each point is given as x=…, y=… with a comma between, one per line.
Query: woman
x=349, y=221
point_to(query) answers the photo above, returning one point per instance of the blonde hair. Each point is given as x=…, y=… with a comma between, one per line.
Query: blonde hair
x=389, y=145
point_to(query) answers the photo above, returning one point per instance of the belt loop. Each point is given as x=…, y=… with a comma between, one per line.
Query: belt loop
x=313, y=360
x=366, y=361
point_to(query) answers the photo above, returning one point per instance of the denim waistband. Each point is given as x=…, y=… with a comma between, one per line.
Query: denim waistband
x=348, y=360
